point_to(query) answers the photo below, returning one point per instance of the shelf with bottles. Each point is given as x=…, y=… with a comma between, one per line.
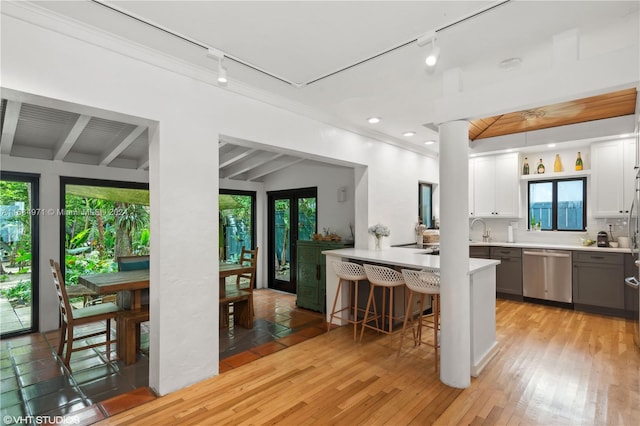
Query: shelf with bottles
x=556, y=175
x=551, y=167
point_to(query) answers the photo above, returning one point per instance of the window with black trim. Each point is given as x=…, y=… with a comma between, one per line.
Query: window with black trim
x=558, y=205
x=425, y=204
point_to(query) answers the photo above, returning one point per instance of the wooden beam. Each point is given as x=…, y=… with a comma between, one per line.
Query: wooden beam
x=109, y=155
x=67, y=142
x=272, y=167
x=11, y=116
x=251, y=163
x=234, y=155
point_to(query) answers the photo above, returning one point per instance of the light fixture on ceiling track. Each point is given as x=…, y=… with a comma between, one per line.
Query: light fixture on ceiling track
x=434, y=53
x=222, y=71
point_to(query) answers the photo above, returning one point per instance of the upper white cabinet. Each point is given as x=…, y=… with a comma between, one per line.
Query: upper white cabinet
x=495, y=190
x=613, y=177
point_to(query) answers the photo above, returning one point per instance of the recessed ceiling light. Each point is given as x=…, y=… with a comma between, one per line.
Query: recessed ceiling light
x=551, y=145
x=373, y=120
x=429, y=142
x=408, y=134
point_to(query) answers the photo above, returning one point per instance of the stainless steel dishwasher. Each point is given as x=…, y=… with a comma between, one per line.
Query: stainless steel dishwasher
x=546, y=274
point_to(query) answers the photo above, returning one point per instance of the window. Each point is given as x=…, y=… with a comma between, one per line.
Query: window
x=558, y=205
x=425, y=201
x=102, y=220
x=236, y=223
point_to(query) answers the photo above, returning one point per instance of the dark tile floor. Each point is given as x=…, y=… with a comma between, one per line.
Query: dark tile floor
x=34, y=382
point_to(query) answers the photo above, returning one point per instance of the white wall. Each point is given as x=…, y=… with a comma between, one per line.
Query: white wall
x=63, y=60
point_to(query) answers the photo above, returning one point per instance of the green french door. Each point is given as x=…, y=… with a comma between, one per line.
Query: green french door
x=19, y=218
x=292, y=216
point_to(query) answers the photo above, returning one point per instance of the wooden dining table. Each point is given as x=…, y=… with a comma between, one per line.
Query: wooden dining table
x=113, y=282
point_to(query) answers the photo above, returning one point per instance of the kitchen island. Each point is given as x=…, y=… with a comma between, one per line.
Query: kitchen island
x=482, y=281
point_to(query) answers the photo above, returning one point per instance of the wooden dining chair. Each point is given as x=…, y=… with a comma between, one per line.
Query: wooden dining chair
x=248, y=257
x=103, y=312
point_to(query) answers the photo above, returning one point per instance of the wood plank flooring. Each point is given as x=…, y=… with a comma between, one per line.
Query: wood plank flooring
x=554, y=366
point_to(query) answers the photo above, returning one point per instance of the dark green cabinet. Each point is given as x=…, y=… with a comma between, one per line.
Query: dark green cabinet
x=311, y=273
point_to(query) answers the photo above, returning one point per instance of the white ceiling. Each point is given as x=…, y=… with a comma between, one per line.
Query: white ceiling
x=299, y=42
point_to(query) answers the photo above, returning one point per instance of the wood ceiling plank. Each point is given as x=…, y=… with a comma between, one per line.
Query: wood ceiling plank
x=608, y=105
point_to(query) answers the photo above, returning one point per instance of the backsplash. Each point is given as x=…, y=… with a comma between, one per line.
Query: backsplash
x=498, y=230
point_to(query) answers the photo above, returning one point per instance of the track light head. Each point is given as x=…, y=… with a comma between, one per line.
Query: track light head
x=222, y=71
x=432, y=58
x=222, y=74
x=425, y=39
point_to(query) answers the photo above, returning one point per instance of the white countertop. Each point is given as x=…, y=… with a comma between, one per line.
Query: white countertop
x=405, y=257
x=551, y=246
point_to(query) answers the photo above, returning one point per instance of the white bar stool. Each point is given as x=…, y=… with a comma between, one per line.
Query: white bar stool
x=387, y=279
x=425, y=283
x=349, y=273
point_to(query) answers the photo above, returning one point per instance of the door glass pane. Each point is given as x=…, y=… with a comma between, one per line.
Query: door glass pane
x=540, y=205
x=236, y=225
x=15, y=254
x=282, y=239
x=306, y=218
x=570, y=205
x=101, y=224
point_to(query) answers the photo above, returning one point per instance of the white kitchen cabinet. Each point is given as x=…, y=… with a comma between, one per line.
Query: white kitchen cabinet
x=471, y=191
x=612, y=177
x=495, y=189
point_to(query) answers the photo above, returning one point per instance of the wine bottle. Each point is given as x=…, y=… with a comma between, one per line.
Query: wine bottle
x=557, y=165
x=525, y=167
x=579, y=162
x=540, y=169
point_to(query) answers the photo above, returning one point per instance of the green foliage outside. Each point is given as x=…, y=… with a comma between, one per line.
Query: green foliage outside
x=19, y=294
x=100, y=228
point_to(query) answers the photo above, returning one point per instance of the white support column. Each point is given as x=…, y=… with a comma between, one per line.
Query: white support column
x=455, y=341
x=184, y=292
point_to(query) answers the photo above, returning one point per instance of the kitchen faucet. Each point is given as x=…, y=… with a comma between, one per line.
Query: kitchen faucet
x=485, y=233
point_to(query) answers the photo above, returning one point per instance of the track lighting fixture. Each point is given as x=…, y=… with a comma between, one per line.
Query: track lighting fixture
x=432, y=58
x=222, y=71
x=434, y=54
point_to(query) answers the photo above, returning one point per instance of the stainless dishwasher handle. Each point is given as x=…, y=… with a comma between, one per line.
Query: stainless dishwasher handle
x=632, y=282
x=535, y=253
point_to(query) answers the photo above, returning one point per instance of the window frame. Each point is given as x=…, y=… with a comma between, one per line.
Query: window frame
x=72, y=180
x=554, y=203
x=431, y=219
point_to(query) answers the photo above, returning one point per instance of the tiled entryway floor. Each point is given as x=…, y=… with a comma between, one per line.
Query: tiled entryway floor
x=35, y=382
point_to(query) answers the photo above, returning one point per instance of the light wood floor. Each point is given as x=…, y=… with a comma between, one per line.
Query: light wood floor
x=555, y=366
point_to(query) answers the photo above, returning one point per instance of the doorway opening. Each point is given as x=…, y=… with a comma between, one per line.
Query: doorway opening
x=293, y=216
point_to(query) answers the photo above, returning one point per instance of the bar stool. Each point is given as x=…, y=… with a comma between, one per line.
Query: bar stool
x=385, y=278
x=425, y=283
x=349, y=273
